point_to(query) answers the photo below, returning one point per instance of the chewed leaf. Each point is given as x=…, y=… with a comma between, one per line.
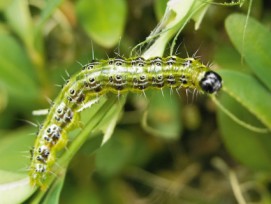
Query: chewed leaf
x=254, y=47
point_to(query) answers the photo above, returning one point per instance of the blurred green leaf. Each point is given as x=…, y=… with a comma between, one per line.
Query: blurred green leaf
x=14, y=179
x=54, y=192
x=160, y=7
x=249, y=92
x=113, y=155
x=37, y=55
x=3, y=98
x=250, y=148
x=255, y=47
x=103, y=20
x=14, y=188
x=227, y=57
x=49, y=9
x=83, y=195
x=176, y=16
x=15, y=146
x=16, y=71
x=125, y=147
x=163, y=117
x=109, y=122
x=21, y=22
x=23, y=26
x=200, y=9
x=6, y=119
x=4, y=4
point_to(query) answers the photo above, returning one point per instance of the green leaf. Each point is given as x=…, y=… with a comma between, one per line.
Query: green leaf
x=14, y=188
x=250, y=148
x=199, y=15
x=82, y=195
x=160, y=7
x=249, y=92
x=14, y=151
x=3, y=98
x=177, y=15
x=14, y=148
x=227, y=57
x=48, y=10
x=103, y=20
x=54, y=192
x=4, y=4
x=21, y=22
x=16, y=71
x=113, y=155
x=163, y=117
x=255, y=47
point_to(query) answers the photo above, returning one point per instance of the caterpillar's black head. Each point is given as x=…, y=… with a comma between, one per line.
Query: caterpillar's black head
x=211, y=82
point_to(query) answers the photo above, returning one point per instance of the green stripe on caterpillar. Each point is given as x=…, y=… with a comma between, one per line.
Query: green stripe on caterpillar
x=118, y=76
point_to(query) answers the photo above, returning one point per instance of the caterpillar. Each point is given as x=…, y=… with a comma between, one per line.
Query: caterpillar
x=118, y=76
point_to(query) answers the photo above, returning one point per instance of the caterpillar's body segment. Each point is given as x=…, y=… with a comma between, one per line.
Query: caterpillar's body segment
x=118, y=76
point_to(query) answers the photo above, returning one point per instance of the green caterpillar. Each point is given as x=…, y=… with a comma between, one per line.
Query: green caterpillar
x=116, y=75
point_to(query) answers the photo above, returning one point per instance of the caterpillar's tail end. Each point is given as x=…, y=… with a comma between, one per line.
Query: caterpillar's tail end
x=211, y=82
x=38, y=183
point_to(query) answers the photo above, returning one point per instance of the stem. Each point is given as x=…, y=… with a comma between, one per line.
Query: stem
x=84, y=134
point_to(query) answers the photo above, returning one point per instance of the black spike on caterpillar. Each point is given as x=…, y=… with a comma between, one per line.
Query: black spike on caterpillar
x=115, y=75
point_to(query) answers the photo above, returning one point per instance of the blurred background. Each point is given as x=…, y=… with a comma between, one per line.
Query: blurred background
x=172, y=149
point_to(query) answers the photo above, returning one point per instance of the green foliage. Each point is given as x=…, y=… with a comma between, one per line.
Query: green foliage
x=163, y=115
x=17, y=72
x=101, y=24
x=13, y=180
x=251, y=94
x=254, y=45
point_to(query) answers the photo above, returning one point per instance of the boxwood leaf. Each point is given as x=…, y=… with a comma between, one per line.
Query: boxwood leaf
x=249, y=92
x=103, y=20
x=248, y=147
x=255, y=47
